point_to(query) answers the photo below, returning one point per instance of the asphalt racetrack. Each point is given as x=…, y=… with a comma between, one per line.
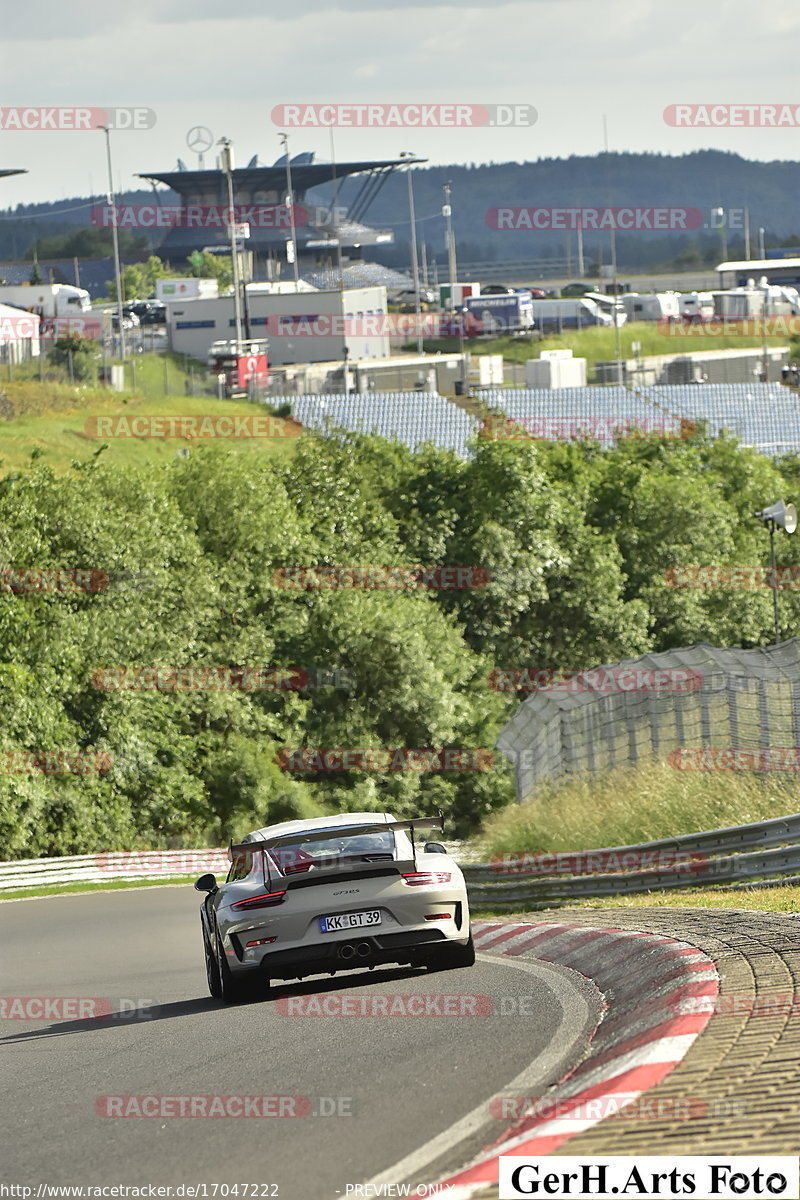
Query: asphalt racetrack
x=368, y=1091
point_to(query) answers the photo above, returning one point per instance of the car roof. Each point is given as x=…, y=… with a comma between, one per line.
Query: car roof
x=340, y=821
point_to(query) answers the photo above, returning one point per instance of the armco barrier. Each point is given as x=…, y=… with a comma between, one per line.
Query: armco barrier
x=704, y=859
x=114, y=864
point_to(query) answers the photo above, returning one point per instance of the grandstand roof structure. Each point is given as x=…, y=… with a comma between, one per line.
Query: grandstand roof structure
x=267, y=186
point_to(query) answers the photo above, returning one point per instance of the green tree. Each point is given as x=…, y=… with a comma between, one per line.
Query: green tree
x=78, y=355
x=212, y=266
x=134, y=283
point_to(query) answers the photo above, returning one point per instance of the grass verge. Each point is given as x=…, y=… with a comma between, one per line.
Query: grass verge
x=113, y=885
x=598, y=344
x=635, y=804
x=780, y=898
x=52, y=422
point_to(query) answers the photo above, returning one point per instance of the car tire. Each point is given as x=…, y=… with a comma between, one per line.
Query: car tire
x=452, y=958
x=212, y=968
x=232, y=990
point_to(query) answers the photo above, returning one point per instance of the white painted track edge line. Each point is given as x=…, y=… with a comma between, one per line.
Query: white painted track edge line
x=477, y=1118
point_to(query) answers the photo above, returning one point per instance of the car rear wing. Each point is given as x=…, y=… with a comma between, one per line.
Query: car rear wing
x=322, y=835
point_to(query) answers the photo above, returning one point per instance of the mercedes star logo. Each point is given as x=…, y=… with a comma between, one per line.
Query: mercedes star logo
x=199, y=138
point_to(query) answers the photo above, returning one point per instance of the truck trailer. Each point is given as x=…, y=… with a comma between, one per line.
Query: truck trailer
x=48, y=300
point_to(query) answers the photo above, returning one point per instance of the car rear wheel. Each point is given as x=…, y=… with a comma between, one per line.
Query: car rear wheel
x=232, y=990
x=452, y=957
x=212, y=968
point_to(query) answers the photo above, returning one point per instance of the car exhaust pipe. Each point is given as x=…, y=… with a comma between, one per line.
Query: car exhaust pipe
x=363, y=950
x=347, y=951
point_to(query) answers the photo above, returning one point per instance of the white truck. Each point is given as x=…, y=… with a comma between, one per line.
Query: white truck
x=48, y=300
x=551, y=316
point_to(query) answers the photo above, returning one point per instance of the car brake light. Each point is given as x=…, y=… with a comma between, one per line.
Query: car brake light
x=267, y=900
x=421, y=878
x=436, y=917
x=260, y=942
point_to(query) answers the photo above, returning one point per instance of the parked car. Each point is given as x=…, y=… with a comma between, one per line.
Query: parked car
x=149, y=312
x=129, y=320
x=408, y=297
x=333, y=894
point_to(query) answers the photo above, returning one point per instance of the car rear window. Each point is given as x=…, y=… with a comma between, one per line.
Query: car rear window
x=295, y=857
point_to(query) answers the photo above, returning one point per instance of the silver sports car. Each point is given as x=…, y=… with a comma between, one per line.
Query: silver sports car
x=333, y=894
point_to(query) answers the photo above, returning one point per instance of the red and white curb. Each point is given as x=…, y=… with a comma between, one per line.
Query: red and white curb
x=660, y=994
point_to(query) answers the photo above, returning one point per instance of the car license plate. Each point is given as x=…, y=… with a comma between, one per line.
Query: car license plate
x=344, y=921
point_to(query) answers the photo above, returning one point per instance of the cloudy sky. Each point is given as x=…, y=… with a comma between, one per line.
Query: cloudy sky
x=227, y=67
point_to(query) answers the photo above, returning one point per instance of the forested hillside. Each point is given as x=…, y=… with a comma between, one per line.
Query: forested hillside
x=702, y=180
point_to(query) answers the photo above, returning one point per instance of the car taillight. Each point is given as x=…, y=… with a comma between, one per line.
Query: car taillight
x=438, y=917
x=267, y=900
x=260, y=942
x=421, y=878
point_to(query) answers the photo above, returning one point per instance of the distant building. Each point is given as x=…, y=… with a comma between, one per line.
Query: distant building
x=777, y=270
x=302, y=327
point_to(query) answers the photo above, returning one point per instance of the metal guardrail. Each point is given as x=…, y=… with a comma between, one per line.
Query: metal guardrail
x=112, y=865
x=775, y=832
x=719, y=872
x=537, y=881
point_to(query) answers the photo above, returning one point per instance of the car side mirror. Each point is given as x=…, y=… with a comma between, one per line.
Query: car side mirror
x=434, y=848
x=206, y=883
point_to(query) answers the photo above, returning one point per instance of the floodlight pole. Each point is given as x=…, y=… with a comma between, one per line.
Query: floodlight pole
x=615, y=286
x=785, y=516
x=414, y=263
x=447, y=211
x=771, y=526
x=227, y=167
x=290, y=200
x=115, y=239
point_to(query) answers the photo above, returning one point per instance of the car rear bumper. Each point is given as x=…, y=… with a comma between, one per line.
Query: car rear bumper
x=322, y=957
